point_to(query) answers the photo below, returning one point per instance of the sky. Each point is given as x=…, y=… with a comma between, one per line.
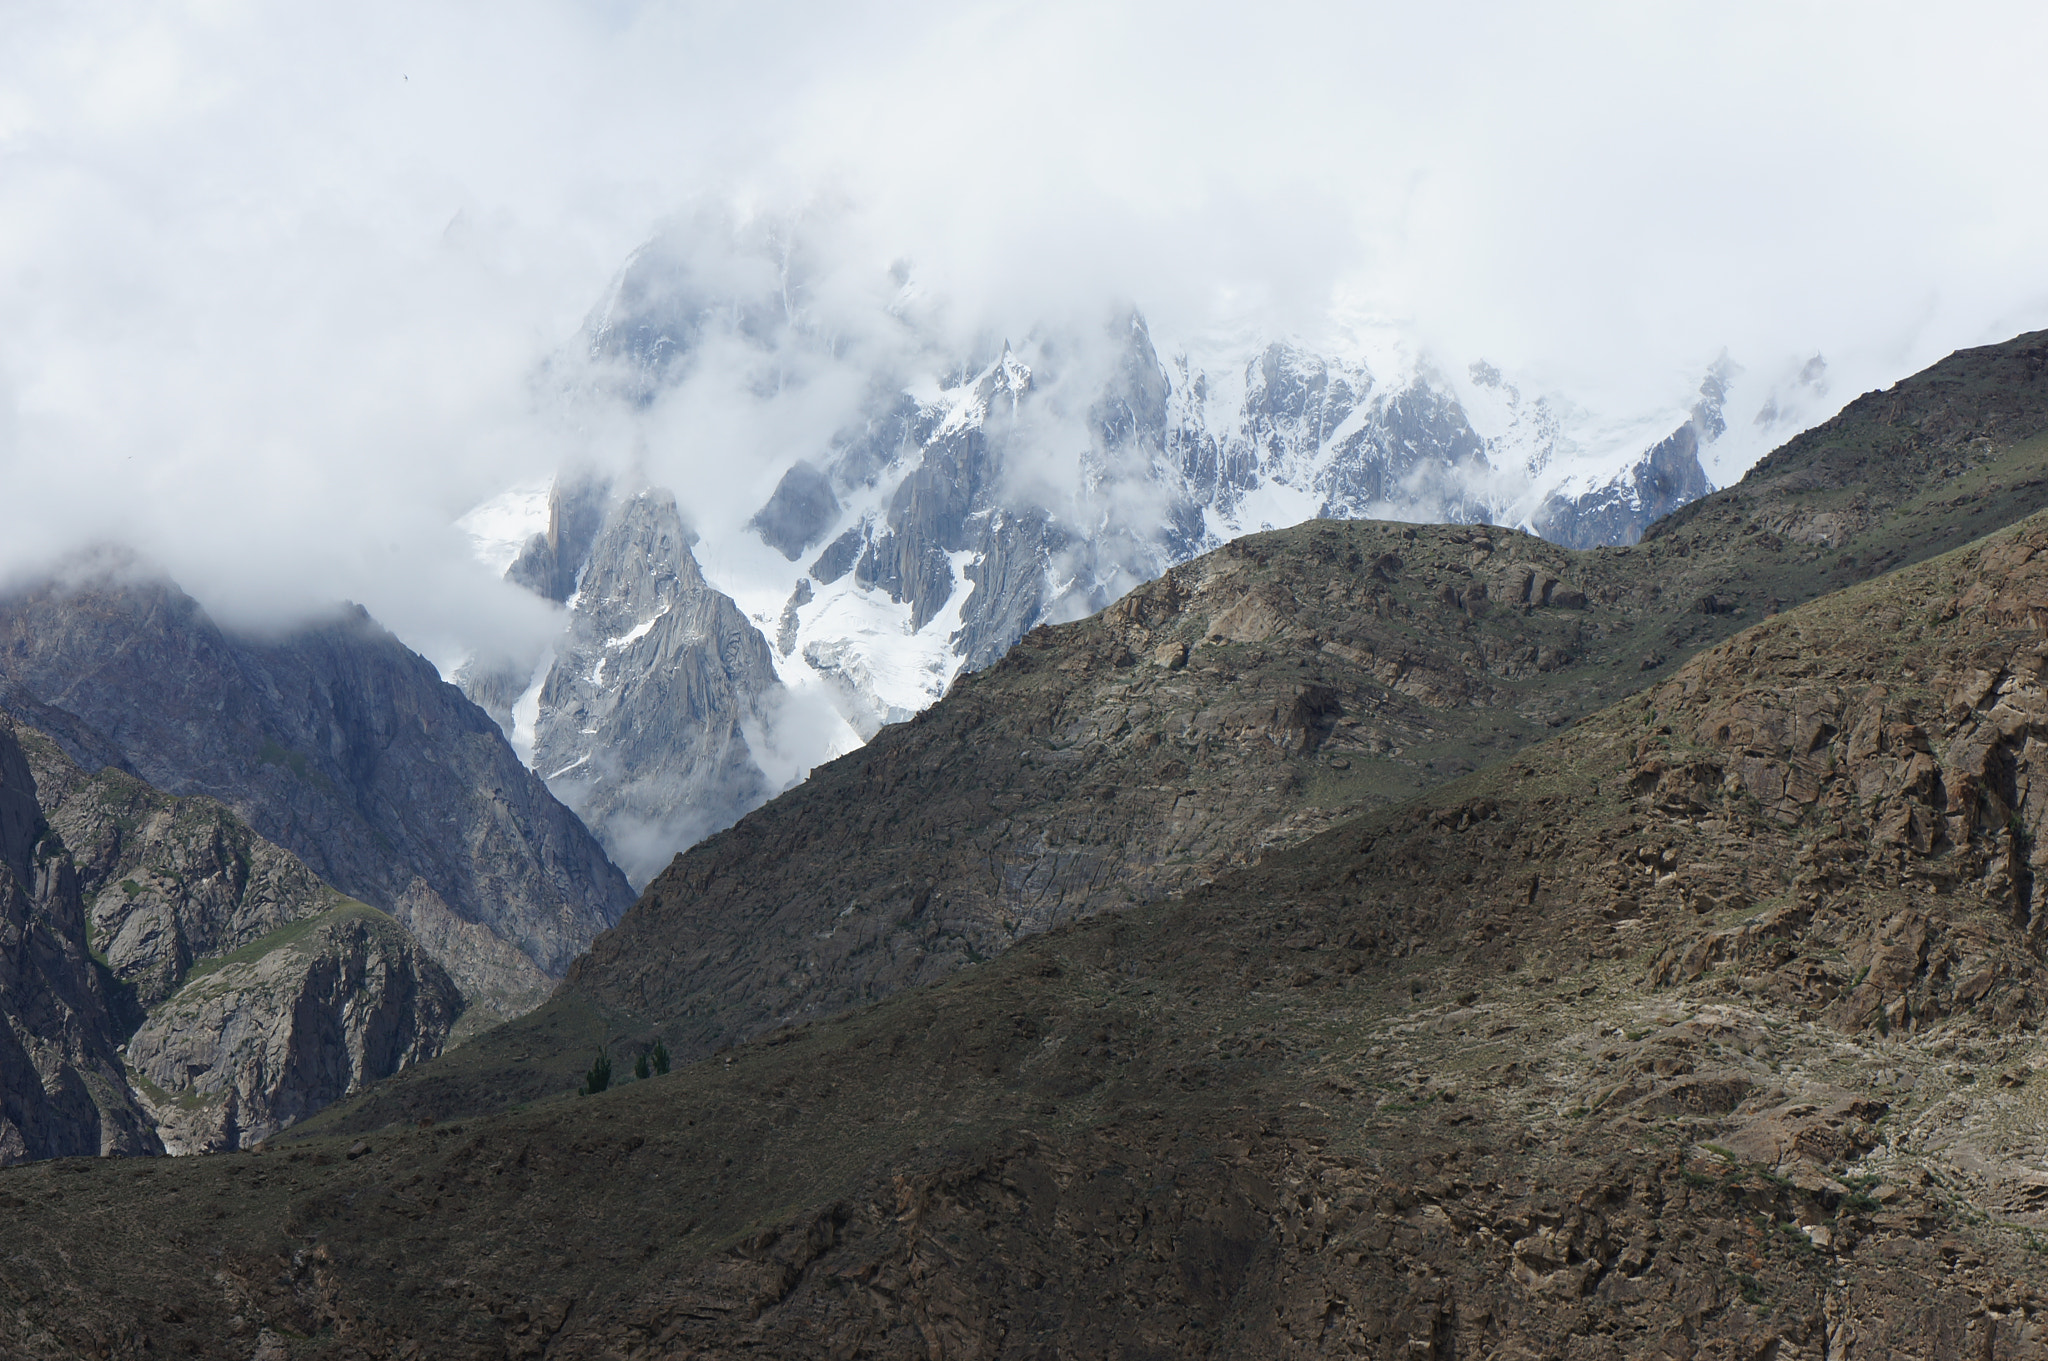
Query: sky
x=277, y=283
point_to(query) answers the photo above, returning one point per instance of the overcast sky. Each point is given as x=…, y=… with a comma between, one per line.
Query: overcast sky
x=275, y=280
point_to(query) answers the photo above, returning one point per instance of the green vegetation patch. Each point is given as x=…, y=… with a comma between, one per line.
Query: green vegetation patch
x=292, y=933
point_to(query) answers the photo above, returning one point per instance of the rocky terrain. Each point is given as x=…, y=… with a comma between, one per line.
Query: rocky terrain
x=266, y=1035
x=971, y=491
x=341, y=746
x=1707, y=1026
x=1241, y=703
x=215, y=989
x=649, y=697
x=62, y=1091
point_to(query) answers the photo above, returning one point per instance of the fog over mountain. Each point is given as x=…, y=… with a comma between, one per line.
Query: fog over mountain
x=286, y=295
x=1023, y=677
x=917, y=500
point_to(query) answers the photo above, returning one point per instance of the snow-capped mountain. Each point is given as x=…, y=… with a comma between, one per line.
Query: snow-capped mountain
x=710, y=655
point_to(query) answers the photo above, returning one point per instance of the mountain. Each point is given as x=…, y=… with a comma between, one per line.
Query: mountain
x=1705, y=1026
x=1237, y=705
x=181, y=984
x=973, y=489
x=644, y=706
x=341, y=746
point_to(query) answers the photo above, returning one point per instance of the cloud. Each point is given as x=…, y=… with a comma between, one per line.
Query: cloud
x=277, y=284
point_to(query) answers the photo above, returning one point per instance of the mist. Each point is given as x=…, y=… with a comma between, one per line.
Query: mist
x=283, y=294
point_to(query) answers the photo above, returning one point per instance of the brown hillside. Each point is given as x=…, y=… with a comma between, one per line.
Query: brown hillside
x=1704, y=1029
x=1241, y=703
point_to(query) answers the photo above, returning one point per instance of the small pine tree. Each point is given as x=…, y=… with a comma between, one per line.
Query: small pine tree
x=640, y=1066
x=660, y=1058
x=600, y=1075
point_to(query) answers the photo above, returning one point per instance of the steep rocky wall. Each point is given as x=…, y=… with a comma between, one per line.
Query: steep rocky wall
x=270, y=1034
x=642, y=717
x=335, y=742
x=249, y=993
x=62, y=1090
x=166, y=881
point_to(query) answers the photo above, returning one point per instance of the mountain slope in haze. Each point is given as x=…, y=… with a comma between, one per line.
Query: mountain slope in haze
x=1707, y=1027
x=1241, y=702
x=342, y=746
x=973, y=489
x=651, y=694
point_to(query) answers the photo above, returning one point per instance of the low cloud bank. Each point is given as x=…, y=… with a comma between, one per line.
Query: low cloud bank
x=286, y=293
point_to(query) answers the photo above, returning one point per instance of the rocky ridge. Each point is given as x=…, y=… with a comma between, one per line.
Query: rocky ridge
x=1707, y=1026
x=233, y=990
x=647, y=704
x=1239, y=704
x=341, y=746
x=974, y=493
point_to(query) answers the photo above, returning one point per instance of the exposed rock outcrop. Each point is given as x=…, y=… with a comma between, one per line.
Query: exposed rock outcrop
x=956, y=510
x=1238, y=705
x=1426, y=1084
x=249, y=993
x=62, y=1090
x=550, y=563
x=167, y=881
x=340, y=745
x=271, y=1033
x=798, y=514
x=644, y=714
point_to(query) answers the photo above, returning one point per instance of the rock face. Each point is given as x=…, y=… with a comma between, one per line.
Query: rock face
x=1170, y=464
x=798, y=514
x=643, y=716
x=343, y=747
x=248, y=992
x=1668, y=477
x=1325, y=426
x=167, y=881
x=1709, y=1026
x=549, y=564
x=271, y=1033
x=62, y=1090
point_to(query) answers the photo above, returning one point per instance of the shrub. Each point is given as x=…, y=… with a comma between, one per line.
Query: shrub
x=600, y=1075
